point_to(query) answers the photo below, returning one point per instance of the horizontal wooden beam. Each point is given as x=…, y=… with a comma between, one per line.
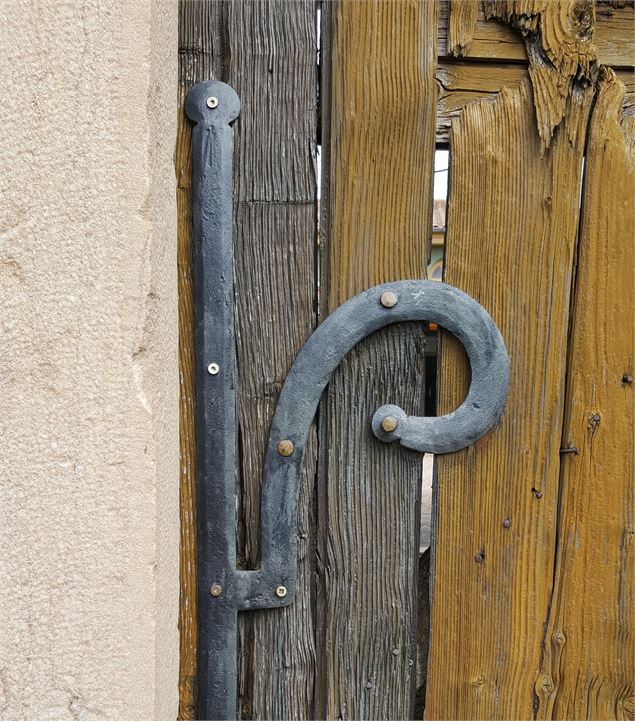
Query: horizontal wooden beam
x=461, y=82
x=494, y=41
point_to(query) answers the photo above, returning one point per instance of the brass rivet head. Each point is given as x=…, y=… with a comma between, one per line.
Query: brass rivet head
x=389, y=423
x=285, y=448
x=215, y=590
x=212, y=102
x=281, y=591
x=388, y=299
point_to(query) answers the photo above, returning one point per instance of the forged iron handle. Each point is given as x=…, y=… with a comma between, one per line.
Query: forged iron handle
x=222, y=588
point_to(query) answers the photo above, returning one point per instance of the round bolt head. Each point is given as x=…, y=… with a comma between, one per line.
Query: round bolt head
x=281, y=591
x=285, y=448
x=212, y=102
x=215, y=590
x=213, y=369
x=388, y=299
x=389, y=423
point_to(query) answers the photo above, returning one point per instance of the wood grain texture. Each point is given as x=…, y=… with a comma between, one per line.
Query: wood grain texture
x=511, y=237
x=460, y=83
x=201, y=53
x=491, y=40
x=559, y=41
x=272, y=66
x=463, y=82
x=588, y=661
x=378, y=143
x=461, y=26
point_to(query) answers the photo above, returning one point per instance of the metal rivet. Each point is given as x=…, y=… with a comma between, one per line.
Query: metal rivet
x=627, y=378
x=212, y=102
x=216, y=590
x=389, y=424
x=213, y=369
x=507, y=523
x=388, y=299
x=285, y=448
x=281, y=591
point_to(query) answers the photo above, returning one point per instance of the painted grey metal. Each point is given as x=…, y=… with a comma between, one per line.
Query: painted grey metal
x=224, y=589
x=213, y=261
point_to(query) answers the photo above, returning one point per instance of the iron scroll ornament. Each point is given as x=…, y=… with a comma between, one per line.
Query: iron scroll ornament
x=224, y=589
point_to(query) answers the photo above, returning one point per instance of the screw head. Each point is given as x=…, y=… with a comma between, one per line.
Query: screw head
x=215, y=590
x=388, y=299
x=627, y=378
x=281, y=591
x=389, y=423
x=507, y=523
x=213, y=369
x=212, y=102
x=286, y=448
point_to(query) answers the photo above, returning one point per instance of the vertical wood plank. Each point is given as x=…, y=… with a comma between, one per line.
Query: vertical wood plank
x=201, y=56
x=272, y=66
x=378, y=120
x=511, y=238
x=589, y=648
x=266, y=51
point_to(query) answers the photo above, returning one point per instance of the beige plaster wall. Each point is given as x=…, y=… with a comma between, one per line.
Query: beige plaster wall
x=88, y=360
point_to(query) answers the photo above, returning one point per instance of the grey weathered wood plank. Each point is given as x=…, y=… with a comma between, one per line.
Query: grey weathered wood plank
x=272, y=66
x=266, y=51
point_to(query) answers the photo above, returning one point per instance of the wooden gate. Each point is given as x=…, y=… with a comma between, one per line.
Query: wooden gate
x=527, y=611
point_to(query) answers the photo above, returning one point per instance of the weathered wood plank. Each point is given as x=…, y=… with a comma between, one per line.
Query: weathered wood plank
x=588, y=663
x=201, y=53
x=252, y=45
x=511, y=237
x=378, y=144
x=272, y=66
x=491, y=40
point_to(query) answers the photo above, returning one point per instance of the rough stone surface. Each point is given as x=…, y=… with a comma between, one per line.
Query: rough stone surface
x=88, y=361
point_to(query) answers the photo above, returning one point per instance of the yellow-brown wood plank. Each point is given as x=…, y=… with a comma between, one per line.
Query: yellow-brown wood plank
x=200, y=57
x=378, y=126
x=491, y=40
x=511, y=239
x=588, y=662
